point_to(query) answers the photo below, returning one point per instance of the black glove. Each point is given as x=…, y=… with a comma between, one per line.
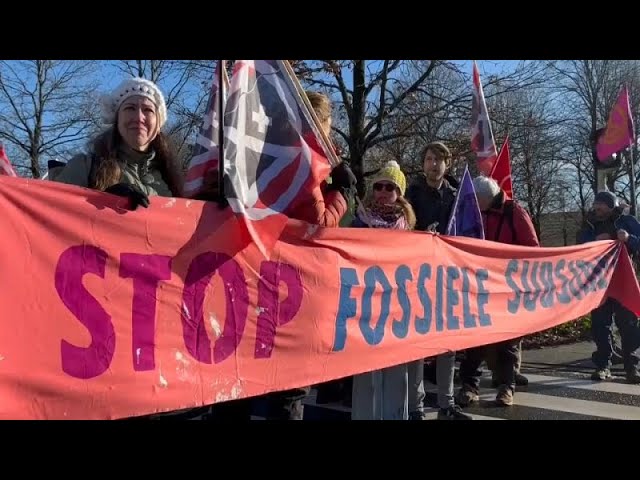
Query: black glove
x=343, y=177
x=136, y=196
x=343, y=180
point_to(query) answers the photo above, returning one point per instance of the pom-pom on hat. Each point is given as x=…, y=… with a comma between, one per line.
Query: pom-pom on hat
x=391, y=172
x=129, y=88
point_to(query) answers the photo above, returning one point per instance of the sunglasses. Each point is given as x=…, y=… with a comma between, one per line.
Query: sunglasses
x=389, y=187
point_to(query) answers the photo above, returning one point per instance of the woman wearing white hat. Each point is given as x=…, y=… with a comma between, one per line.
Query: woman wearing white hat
x=132, y=157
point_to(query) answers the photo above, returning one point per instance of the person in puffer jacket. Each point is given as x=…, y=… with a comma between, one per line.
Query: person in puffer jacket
x=324, y=206
x=383, y=394
x=607, y=221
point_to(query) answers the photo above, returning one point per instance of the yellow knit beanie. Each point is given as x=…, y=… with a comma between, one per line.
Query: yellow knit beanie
x=391, y=172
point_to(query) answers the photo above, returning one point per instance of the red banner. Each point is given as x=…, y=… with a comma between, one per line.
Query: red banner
x=108, y=313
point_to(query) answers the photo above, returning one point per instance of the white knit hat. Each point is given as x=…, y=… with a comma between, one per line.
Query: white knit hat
x=129, y=88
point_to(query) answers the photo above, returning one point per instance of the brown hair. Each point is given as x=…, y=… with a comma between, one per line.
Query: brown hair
x=409, y=214
x=321, y=105
x=108, y=171
x=440, y=150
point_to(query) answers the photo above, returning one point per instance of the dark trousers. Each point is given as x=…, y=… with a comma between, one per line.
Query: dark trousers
x=506, y=356
x=602, y=319
x=490, y=358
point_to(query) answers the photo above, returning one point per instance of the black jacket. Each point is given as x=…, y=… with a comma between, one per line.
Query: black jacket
x=431, y=205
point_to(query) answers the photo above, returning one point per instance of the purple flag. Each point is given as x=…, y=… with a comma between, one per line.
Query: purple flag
x=466, y=219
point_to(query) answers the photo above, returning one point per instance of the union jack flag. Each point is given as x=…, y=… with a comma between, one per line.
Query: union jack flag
x=205, y=153
x=482, y=142
x=5, y=164
x=274, y=150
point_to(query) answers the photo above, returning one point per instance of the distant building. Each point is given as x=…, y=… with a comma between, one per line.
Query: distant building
x=559, y=229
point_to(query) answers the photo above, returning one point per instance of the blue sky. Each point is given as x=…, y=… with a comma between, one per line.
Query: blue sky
x=489, y=67
x=110, y=76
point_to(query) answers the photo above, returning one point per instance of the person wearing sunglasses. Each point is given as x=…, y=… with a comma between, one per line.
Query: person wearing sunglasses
x=383, y=394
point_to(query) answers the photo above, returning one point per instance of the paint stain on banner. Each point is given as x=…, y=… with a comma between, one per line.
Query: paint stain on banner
x=215, y=325
x=233, y=393
x=183, y=369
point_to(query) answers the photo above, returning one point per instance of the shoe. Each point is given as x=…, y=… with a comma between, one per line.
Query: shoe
x=505, y=396
x=601, y=374
x=454, y=412
x=466, y=396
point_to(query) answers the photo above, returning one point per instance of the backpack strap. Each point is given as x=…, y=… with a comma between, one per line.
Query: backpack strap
x=507, y=212
x=510, y=206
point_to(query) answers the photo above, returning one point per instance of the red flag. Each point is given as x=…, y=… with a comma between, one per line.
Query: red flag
x=482, y=142
x=619, y=133
x=205, y=153
x=501, y=172
x=5, y=164
x=274, y=150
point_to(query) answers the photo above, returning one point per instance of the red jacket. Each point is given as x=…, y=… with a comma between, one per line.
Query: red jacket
x=321, y=207
x=515, y=229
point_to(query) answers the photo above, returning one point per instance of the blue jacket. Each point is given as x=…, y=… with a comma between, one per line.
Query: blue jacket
x=620, y=222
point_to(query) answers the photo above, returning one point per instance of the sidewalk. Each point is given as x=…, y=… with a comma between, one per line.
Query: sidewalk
x=572, y=357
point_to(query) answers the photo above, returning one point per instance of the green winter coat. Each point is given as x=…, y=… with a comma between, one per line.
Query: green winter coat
x=138, y=169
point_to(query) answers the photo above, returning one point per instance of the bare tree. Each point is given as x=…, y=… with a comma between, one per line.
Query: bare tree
x=589, y=89
x=539, y=174
x=45, y=107
x=367, y=95
x=578, y=156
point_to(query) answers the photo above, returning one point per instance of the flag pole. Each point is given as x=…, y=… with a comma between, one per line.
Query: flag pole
x=633, y=152
x=221, y=96
x=632, y=180
x=332, y=157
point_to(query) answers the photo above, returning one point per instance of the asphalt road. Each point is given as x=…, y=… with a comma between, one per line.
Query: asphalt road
x=559, y=388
